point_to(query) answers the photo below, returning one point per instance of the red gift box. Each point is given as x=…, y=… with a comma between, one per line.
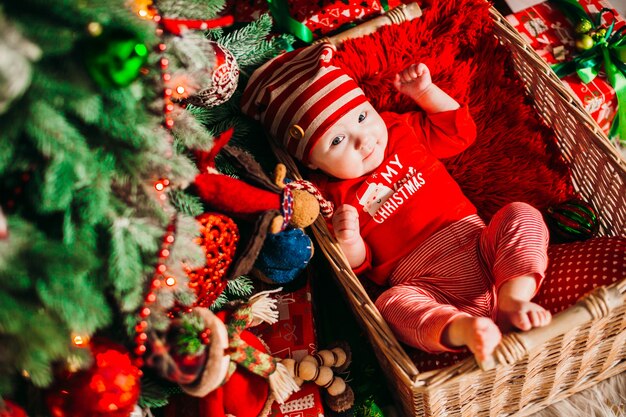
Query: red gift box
x=552, y=36
x=321, y=17
x=293, y=336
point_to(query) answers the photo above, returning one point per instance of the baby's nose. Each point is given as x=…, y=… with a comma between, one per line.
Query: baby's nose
x=362, y=142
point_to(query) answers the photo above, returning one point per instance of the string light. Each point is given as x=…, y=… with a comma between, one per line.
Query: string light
x=80, y=341
x=18, y=189
x=141, y=336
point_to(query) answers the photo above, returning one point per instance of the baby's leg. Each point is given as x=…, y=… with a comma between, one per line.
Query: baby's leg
x=480, y=334
x=515, y=310
x=423, y=319
x=514, y=245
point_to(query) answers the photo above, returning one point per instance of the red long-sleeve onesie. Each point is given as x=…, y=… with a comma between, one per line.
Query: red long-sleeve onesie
x=423, y=236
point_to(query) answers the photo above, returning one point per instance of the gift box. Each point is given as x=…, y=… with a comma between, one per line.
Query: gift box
x=293, y=336
x=320, y=17
x=552, y=35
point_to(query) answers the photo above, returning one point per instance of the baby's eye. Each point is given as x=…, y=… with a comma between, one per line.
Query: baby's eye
x=362, y=116
x=337, y=140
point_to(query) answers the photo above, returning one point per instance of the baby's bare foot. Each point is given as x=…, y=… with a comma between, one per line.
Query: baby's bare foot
x=479, y=334
x=523, y=315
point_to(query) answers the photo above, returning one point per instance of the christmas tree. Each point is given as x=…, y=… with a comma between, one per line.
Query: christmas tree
x=102, y=105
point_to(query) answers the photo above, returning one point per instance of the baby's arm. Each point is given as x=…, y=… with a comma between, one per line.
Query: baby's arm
x=348, y=234
x=416, y=83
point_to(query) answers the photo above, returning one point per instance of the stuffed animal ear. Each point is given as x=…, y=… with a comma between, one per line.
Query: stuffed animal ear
x=250, y=168
x=280, y=173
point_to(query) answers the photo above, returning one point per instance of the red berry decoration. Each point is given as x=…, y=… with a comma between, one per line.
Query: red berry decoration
x=571, y=221
x=11, y=409
x=110, y=388
x=219, y=237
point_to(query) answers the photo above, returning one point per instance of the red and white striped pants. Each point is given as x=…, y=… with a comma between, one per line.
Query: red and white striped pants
x=459, y=270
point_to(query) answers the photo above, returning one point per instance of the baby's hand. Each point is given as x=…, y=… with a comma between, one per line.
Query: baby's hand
x=346, y=225
x=413, y=81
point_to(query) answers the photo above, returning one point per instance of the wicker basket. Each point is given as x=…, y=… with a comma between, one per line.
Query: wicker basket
x=583, y=345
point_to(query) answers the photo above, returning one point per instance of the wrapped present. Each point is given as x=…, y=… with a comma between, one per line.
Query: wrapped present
x=313, y=19
x=553, y=31
x=293, y=336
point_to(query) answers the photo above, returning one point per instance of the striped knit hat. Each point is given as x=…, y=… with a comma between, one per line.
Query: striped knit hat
x=298, y=95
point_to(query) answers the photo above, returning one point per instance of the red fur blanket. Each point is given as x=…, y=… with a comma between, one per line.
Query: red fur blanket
x=515, y=156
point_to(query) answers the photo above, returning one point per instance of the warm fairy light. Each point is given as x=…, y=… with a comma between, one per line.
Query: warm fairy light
x=80, y=340
x=143, y=13
x=94, y=29
x=159, y=186
x=171, y=281
x=180, y=89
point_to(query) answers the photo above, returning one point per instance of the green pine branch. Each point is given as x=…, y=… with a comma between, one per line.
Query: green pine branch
x=190, y=9
x=250, y=45
x=240, y=288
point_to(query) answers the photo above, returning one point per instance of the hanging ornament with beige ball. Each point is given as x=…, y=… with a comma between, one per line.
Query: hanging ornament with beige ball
x=209, y=72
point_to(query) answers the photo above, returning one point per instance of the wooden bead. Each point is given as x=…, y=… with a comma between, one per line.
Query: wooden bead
x=337, y=387
x=311, y=359
x=290, y=364
x=326, y=357
x=340, y=355
x=325, y=376
x=306, y=370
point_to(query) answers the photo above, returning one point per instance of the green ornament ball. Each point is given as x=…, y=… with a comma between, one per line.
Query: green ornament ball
x=115, y=61
x=584, y=42
x=583, y=26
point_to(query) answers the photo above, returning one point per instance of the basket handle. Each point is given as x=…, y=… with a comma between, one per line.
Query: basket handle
x=595, y=305
x=397, y=15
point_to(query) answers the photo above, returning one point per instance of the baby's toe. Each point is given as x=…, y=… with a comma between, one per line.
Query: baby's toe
x=521, y=320
x=545, y=317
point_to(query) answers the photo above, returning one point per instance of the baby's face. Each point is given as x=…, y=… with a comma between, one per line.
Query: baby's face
x=353, y=146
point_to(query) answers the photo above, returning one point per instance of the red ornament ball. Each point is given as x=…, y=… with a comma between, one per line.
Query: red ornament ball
x=218, y=236
x=12, y=410
x=109, y=388
x=224, y=79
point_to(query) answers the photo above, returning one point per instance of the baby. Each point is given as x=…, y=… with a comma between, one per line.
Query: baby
x=401, y=219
